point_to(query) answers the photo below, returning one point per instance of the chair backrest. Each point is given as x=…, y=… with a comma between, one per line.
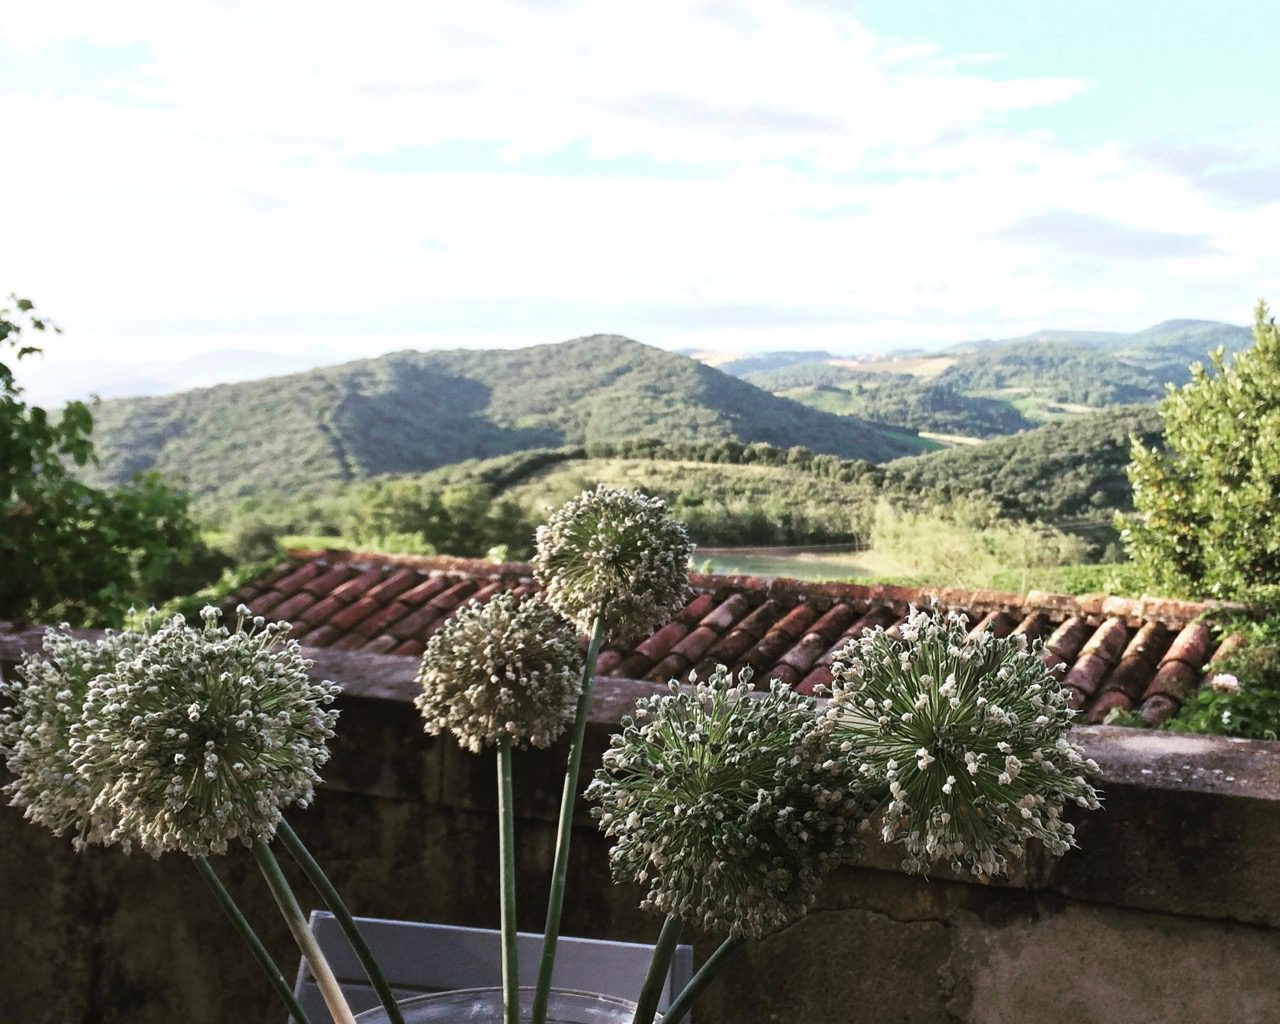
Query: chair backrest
x=419, y=958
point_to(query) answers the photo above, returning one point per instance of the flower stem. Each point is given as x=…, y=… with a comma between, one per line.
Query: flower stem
x=706, y=974
x=555, y=901
x=659, y=966
x=311, y=951
x=251, y=939
x=316, y=876
x=507, y=876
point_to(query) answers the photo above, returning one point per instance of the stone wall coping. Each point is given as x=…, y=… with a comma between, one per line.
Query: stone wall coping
x=1148, y=759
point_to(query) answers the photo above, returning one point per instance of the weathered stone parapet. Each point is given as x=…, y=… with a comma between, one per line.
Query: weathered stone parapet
x=1170, y=909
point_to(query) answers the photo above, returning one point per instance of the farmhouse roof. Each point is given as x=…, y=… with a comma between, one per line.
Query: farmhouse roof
x=1142, y=654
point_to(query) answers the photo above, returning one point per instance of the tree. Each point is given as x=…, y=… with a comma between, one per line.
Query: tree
x=1208, y=506
x=71, y=552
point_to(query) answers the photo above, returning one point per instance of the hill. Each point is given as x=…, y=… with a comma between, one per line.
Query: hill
x=986, y=388
x=1073, y=469
x=413, y=411
x=897, y=398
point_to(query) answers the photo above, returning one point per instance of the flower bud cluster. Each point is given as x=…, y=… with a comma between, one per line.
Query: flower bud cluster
x=615, y=548
x=37, y=711
x=728, y=806
x=968, y=736
x=501, y=669
x=178, y=738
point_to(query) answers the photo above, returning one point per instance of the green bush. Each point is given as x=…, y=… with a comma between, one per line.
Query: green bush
x=70, y=552
x=966, y=544
x=1208, y=508
x=1251, y=707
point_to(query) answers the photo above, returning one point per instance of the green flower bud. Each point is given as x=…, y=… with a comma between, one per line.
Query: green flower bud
x=501, y=669
x=617, y=550
x=969, y=736
x=203, y=735
x=41, y=706
x=729, y=808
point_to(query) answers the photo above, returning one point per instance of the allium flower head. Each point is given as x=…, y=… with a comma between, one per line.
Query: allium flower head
x=41, y=705
x=968, y=736
x=619, y=547
x=204, y=734
x=501, y=669
x=729, y=808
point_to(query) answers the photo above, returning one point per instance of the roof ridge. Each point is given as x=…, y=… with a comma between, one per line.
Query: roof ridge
x=1171, y=611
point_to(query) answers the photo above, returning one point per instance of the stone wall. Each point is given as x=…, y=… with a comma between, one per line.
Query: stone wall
x=1169, y=911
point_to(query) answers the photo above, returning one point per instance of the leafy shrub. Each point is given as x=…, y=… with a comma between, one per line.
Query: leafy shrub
x=71, y=552
x=1246, y=704
x=967, y=544
x=1207, y=519
x=254, y=540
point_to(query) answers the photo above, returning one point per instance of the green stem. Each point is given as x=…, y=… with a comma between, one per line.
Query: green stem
x=555, y=902
x=659, y=968
x=316, y=876
x=507, y=877
x=254, y=943
x=706, y=974
x=311, y=951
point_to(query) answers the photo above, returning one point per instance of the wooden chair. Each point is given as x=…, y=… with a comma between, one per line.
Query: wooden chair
x=418, y=958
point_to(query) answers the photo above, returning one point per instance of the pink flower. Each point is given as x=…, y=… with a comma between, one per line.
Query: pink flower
x=1225, y=682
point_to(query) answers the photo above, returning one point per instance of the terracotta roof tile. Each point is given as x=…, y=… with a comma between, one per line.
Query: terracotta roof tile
x=380, y=645
x=1033, y=626
x=1148, y=654
x=1101, y=652
x=998, y=623
x=291, y=608
x=1123, y=688
x=1066, y=641
x=263, y=605
x=415, y=623
x=354, y=613
x=321, y=636
x=763, y=657
x=356, y=587
x=449, y=599
x=609, y=660
x=324, y=584
x=380, y=621
x=320, y=611
x=745, y=635
x=393, y=586
x=292, y=583
x=425, y=590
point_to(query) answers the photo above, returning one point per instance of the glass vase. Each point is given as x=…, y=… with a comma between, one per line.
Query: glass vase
x=484, y=1006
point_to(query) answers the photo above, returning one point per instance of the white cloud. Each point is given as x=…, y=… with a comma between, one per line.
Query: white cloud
x=808, y=164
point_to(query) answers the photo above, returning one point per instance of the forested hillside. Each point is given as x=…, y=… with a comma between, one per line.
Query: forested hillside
x=413, y=411
x=1074, y=468
x=896, y=398
x=988, y=388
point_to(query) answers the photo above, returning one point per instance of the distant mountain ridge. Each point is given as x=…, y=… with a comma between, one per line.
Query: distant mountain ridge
x=982, y=389
x=413, y=411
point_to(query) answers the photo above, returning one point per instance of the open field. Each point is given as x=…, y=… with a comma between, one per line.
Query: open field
x=920, y=367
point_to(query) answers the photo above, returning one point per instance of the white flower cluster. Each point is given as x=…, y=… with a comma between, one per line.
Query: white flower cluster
x=615, y=548
x=182, y=738
x=968, y=736
x=37, y=711
x=728, y=807
x=501, y=669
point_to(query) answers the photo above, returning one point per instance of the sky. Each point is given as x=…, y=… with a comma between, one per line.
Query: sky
x=331, y=180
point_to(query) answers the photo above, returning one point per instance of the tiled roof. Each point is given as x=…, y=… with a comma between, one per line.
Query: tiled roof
x=1144, y=654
